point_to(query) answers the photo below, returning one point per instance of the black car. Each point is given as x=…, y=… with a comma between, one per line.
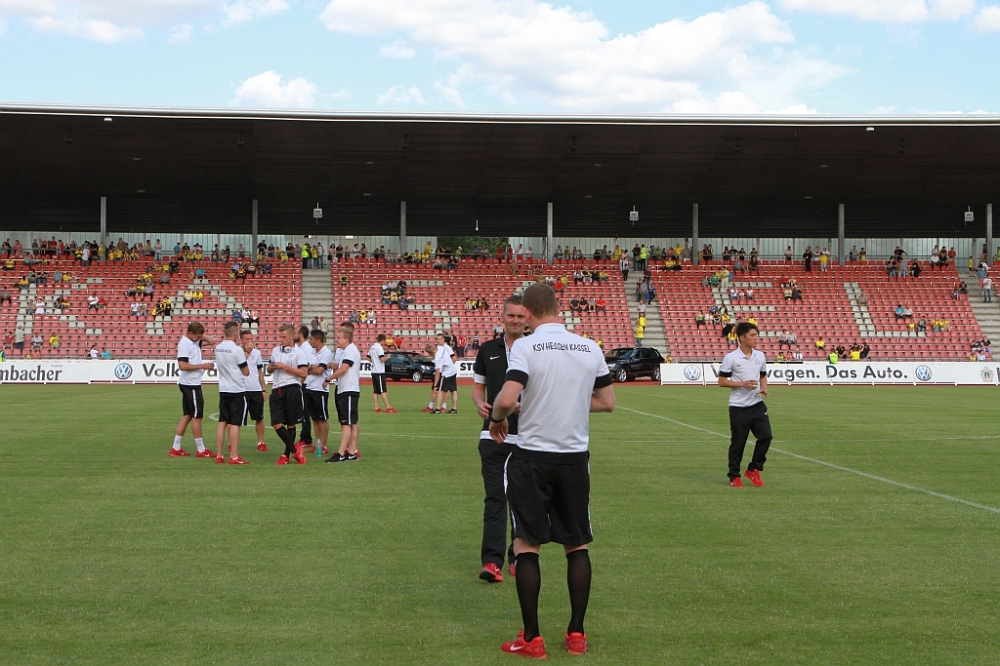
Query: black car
x=627, y=363
x=409, y=365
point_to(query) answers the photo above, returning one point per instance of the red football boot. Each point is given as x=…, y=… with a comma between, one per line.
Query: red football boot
x=204, y=454
x=534, y=649
x=491, y=573
x=283, y=460
x=576, y=643
x=378, y=411
x=325, y=450
x=261, y=446
x=391, y=410
x=179, y=453
x=736, y=483
x=220, y=460
x=238, y=461
x=512, y=568
x=298, y=455
x=754, y=476
x=427, y=409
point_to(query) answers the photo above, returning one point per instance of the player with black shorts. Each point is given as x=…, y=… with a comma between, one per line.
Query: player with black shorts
x=317, y=387
x=302, y=342
x=254, y=384
x=560, y=378
x=191, y=368
x=744, y=371
x=378, y=358
x=288, y=366
x=490, y=371
x=447, y=376
x=231, y=362
x=348, y=376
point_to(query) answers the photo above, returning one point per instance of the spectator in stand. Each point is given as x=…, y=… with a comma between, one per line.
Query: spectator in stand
x=600, y=305
x=39, y=306
x=54, y=341
x=820, y=343
x=36, y=341
x=5, y=296
x=987, y=285
x=903, y=313
x=807, y=258
x=824, y=260
x=852, y=256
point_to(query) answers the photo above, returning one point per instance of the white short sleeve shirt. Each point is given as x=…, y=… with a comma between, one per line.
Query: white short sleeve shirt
x=739, y=368
x=190, y=351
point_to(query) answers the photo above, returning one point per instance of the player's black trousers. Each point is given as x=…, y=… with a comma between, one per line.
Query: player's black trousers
x=493, y=457
x=743, y=421
x=306, y=430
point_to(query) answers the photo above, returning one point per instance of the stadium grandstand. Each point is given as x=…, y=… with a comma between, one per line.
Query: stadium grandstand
x=203, y=214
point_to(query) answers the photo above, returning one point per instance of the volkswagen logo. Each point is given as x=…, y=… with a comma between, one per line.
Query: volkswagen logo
x=123, y=371
x=923, y=373
x=692, y=373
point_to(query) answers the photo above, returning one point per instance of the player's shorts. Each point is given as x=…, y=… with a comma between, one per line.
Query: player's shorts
x=286, y=404
x=192, y=401
x=255, y=405
x=549, y=501
x=378, y=383
x=317, y=405
x=233, y=408
x=347, y=407
x=449, y=384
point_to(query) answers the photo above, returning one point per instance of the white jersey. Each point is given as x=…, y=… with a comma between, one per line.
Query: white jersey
x=375, y=354
x=292, y=356
x=252, y=381
x=230, y=361
x=559, y=371
x=190, y=351
x=739, y=368
x=324, y=359
x=443, y=361
x=350, y=382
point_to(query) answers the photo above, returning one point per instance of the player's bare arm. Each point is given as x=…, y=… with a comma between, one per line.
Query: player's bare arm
x=603, y=399
x=479, y=399
x=503, y=406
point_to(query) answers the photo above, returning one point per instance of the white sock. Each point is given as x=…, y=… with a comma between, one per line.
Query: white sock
x=430, y=405
x=177, y=442
x=200, y=443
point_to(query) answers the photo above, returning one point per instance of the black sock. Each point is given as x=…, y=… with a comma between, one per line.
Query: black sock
x=529, y=582
x=288, y=438
x=578, y=576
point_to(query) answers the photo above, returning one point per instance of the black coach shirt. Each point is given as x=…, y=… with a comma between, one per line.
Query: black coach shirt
x=491, y=369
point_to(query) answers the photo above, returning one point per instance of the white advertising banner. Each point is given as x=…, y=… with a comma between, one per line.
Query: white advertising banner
x=848, y=372
x=45, y=372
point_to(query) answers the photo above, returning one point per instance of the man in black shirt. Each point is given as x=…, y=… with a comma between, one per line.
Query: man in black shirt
x=490, y=372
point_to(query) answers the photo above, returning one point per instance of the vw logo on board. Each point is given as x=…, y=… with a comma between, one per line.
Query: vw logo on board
x=923, y=373
x=123, y=371
x=692, y=373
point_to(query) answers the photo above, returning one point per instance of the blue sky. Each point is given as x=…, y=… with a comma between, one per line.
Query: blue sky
x=516, y=56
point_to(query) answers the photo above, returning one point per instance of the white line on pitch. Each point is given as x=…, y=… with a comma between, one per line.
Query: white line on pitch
x=873, y=477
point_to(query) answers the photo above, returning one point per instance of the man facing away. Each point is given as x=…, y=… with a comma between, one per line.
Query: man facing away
x=230, y=359
x=255, y=386
x=560, y=378
x=288, y=366
x=378, y=357
x=191, y=367
x=318, y=387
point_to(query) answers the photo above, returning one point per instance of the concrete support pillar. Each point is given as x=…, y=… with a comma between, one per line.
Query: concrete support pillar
x=990, y=252
x=695, y=250
x=104, y=221
x=840, y=234
x=402, y=227
x=548, y=236
x=253, y=232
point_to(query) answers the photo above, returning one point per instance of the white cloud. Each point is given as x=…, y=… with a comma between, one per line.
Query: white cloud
x=400, y=96
x=243, y=11
x=267, y=91
x=887, y=11
x=567, y=59
x=398, y=49
x=988, y=19
x=180, y=33
x=98, y=31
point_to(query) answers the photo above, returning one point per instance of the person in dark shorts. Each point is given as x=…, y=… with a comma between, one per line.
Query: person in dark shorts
x=560, y=378
x=490, y=371
x=348, y=376
x=255, y=386
x=378, y=357
x=317, y=387
x=744, y=371
x=191, y=368
x=302, y=342
x=288, y=366
x=231, y=362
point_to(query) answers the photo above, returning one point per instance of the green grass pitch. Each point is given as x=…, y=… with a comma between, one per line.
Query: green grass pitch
x=113, y=553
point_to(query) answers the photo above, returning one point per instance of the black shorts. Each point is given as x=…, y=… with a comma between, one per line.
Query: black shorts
x=255, y=405
x=549, y=501
x=378, y=382
x=449, y=384
x=286, y=405
x=347, y=407
x=317, y=405
x=233, y=408
x=192, y=401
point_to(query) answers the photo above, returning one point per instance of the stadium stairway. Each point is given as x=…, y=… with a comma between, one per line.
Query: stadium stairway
x=317, y=298
x=987, y=314
x=654, y=336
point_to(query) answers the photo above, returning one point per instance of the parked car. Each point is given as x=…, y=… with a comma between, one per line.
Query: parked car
x=627, y=363
x=409, y=365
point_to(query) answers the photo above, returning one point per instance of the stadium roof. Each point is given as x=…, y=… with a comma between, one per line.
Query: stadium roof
x=167, y=169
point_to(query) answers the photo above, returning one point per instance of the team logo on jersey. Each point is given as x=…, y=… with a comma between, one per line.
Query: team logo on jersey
x=923, y=373
x=692, y=373
x=123, y=371
x=987, y=375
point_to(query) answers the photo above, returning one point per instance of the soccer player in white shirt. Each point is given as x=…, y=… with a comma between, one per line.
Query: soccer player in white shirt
x=289, y=366
x=348, y=375
x=378, y=358
x=444, y=363
x=192, y=402
x=317, y=387
x=744, y=370
x=305, y=437
x=255, y=386
x=230, y=359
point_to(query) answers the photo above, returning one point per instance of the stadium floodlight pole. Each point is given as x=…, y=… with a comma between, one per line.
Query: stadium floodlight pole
x=104, y=221
x=989, y=232
x=253, y=228
x=548, y=237
x=840, y=234
x=695, y=251
x=402, y=228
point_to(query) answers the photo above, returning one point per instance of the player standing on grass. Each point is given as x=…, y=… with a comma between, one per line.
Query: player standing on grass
x=193, y=403
x=444, y=363
x=317, y=387
x=429, y=350
x=744, y=371
x=288, y=366
x=302, y=342
x=560, y=378
x=490, y=372
x=255, y=386
x=231, y=361
x=348, y=376
x=379, y=357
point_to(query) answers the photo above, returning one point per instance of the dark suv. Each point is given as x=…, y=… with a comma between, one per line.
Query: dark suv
x=627, y=363
x=409, y=365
